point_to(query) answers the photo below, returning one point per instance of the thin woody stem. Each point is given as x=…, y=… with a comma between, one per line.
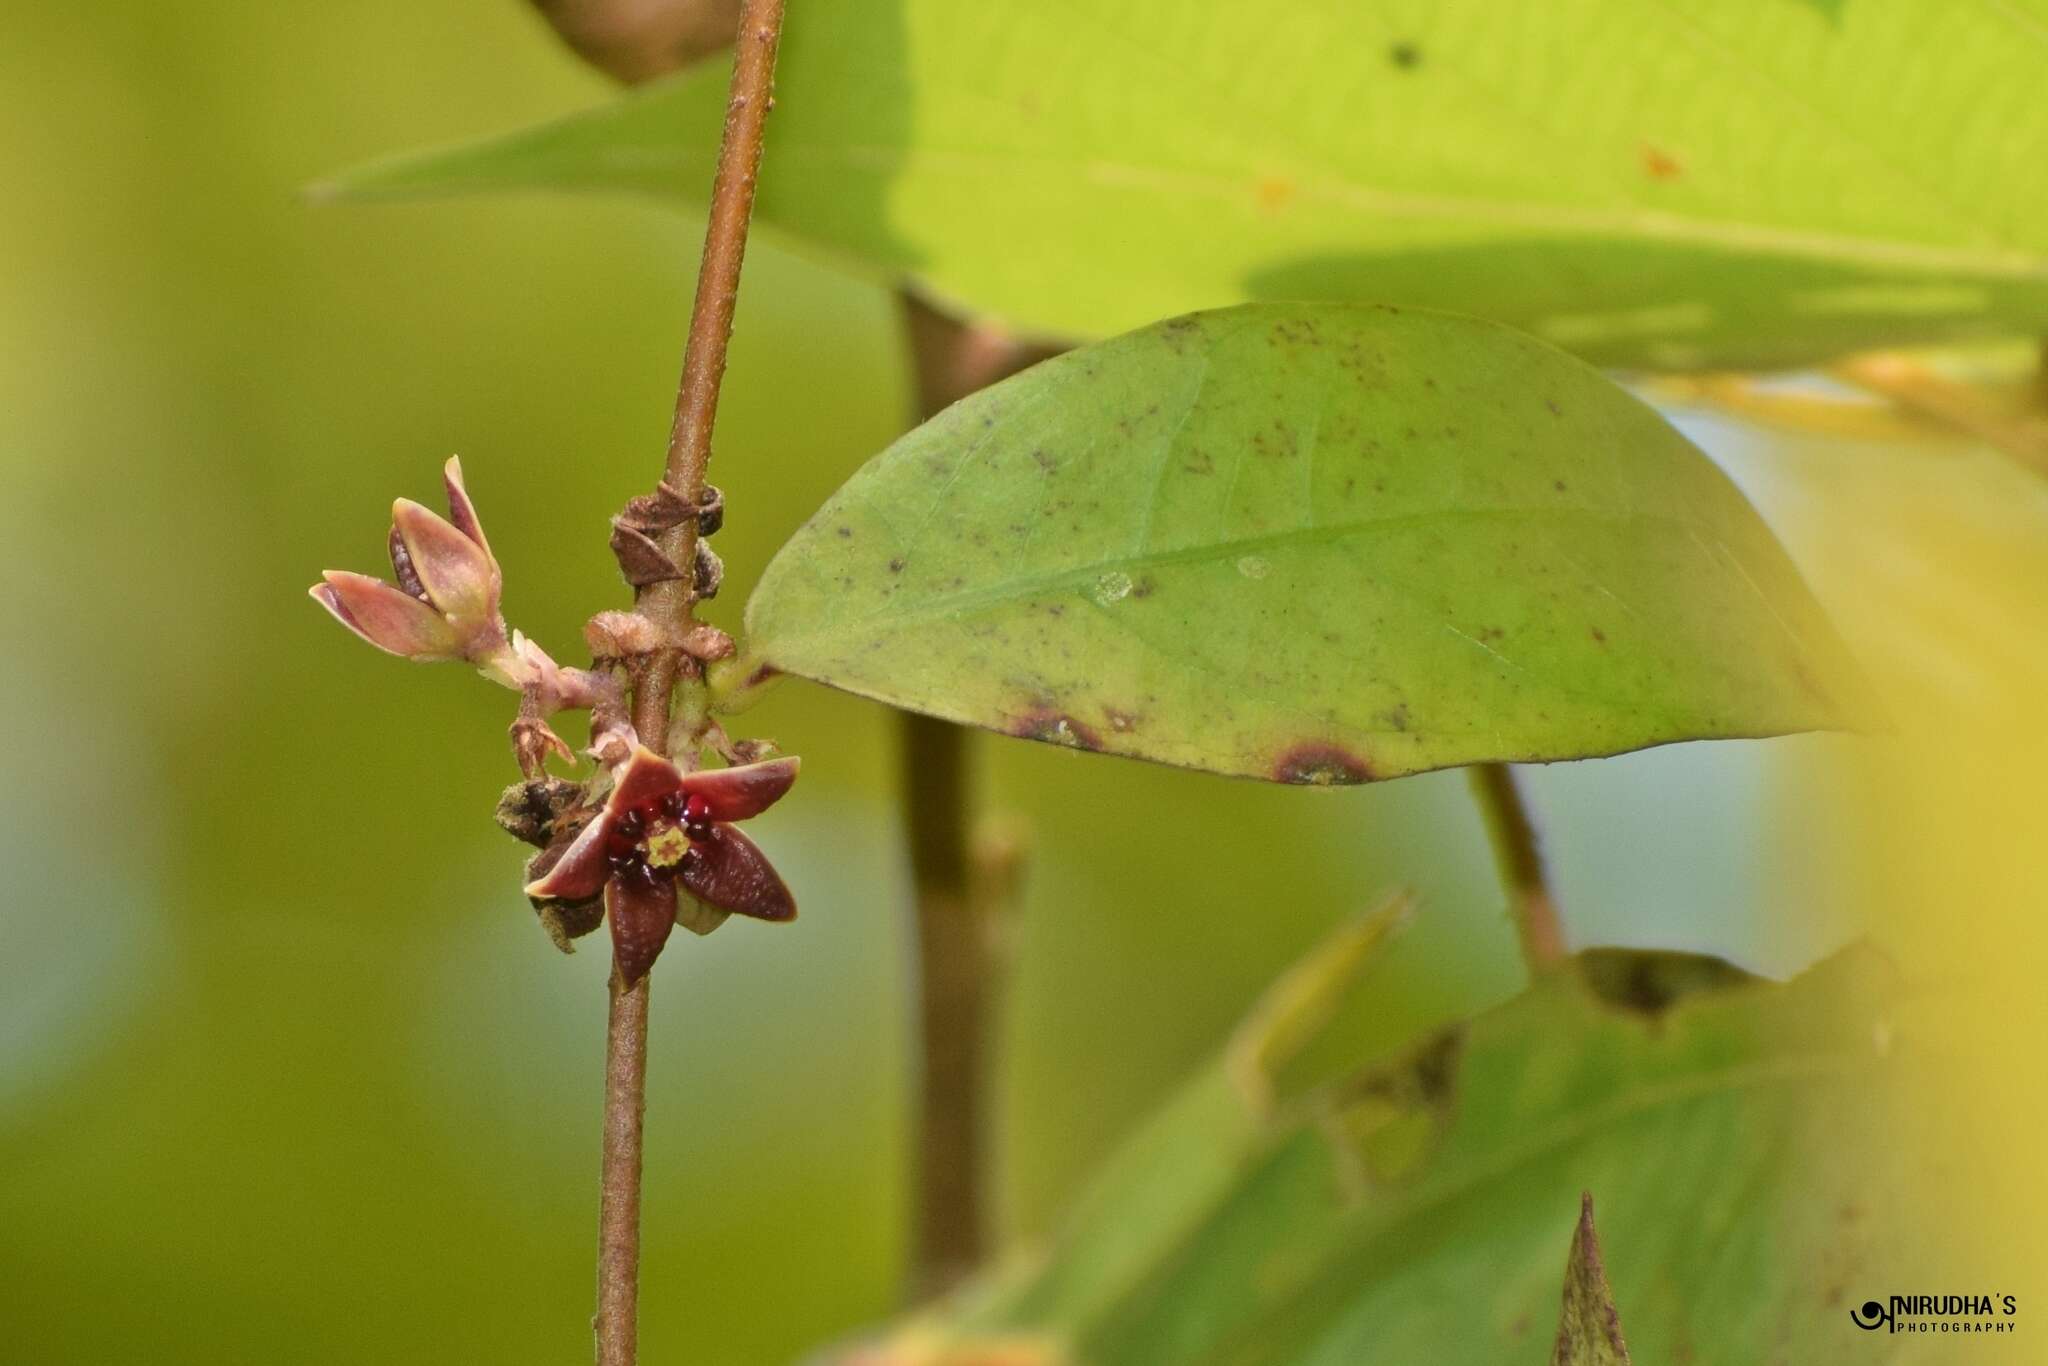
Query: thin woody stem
x=718, y=286
x=618, y=1238
x=955, y=895
x=1520, y=862
x=672, y=604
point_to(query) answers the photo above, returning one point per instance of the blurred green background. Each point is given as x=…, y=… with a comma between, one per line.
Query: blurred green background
x=287, y=1071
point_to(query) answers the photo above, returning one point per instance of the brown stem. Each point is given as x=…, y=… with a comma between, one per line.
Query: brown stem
x=671, y=604
x=718, y=285
x=1521, y=866
x=618, y=1220
x=956, y=898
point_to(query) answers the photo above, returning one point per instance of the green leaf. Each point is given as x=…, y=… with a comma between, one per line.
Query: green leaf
x=1407, y=1209
x=1589, y=1328
x=1747, y=183
x=1309, y=543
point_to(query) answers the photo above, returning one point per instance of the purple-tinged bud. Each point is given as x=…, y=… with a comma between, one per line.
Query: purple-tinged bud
x=461, y=511
x=387, y=618
x=446, y=603
x=460, y=578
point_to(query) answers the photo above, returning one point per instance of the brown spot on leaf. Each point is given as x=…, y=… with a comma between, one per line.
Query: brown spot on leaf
x=1599, y=635
x=1405, y=56
x=1274, y=192
x=1659, y=164
x=1122, y=722
x=1318, y=763
x=1052, y=727
x=896, y=565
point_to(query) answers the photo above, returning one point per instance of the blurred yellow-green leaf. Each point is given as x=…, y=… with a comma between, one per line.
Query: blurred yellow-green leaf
x=1408, y=1208
x=1743, y=184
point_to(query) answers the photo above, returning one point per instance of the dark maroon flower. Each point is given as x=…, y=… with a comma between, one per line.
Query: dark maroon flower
x=663, y=831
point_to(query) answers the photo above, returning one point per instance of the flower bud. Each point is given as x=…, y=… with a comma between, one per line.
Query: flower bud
x=445, y=604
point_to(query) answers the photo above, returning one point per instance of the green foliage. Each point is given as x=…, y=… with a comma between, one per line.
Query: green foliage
x=1408, y=1209
x=1309, y=543
x=1747, y=183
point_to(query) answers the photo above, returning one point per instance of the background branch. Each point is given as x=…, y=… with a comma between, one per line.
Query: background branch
x=958, y=888
x=1520, y=861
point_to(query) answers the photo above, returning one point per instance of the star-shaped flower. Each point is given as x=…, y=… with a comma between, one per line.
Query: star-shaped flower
x=662, y=831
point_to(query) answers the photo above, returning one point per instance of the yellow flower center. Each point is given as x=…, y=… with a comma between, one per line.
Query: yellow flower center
x=666, y=845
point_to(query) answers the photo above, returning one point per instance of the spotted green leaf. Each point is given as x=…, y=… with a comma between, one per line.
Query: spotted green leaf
x=1674, y=186
x=1407, y=1208
x=1310, y=543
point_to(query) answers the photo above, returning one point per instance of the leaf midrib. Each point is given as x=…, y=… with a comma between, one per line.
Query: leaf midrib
x=1466, y=211
x=1078, y=576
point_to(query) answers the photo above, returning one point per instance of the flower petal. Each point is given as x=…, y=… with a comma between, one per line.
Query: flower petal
x=727, y=870
x=459, y=577
x=385, y=617
x=581, y=870
x=642, y=911
x=644, y=778
x=461, y=511
x=733, y=794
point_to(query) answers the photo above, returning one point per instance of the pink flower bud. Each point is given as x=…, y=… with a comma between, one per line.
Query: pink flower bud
x=445, y=605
